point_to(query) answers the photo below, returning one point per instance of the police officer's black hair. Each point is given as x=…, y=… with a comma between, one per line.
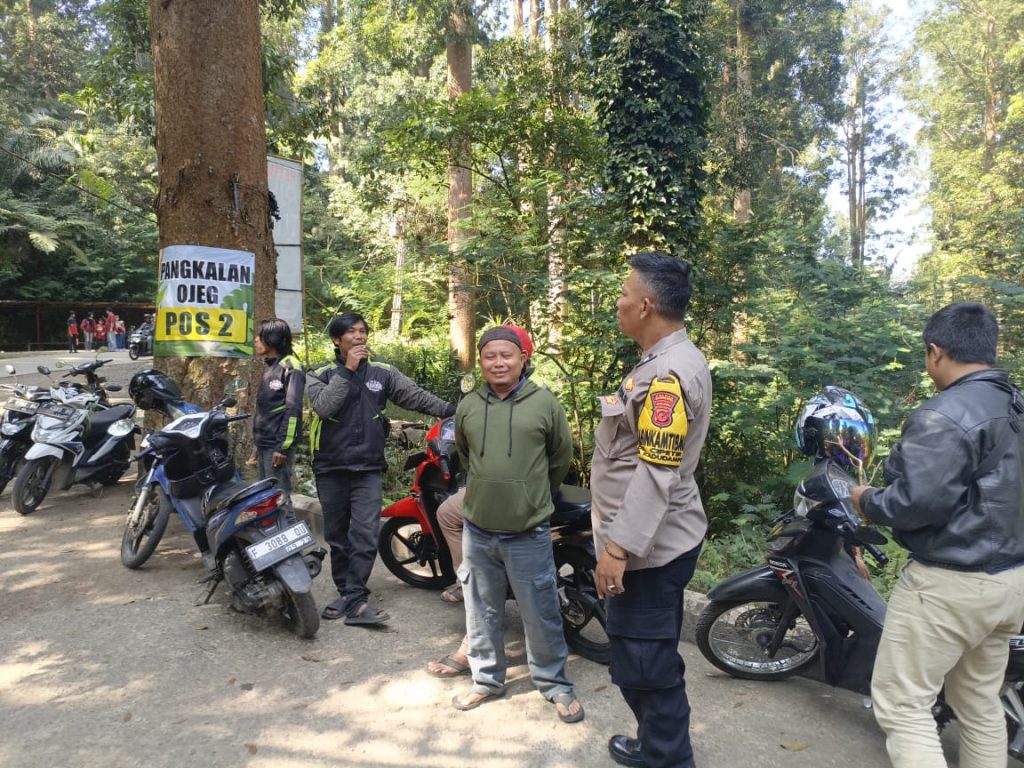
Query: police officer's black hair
x=966, y=331
x=340, y=324
x=669, y=279
x=276, y=333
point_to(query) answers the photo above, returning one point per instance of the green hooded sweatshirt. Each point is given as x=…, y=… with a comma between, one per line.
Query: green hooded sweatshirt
x=517, y=451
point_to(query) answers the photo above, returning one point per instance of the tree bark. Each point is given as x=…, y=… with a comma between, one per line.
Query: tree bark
x=517, y=18
x=212, y=156
x=535, y=19
x=461, y=291
x=741, y=203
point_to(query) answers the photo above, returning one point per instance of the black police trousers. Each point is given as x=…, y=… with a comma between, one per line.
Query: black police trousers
x=644, y=624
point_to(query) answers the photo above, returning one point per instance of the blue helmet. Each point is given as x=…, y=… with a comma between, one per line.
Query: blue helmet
x=835, y=424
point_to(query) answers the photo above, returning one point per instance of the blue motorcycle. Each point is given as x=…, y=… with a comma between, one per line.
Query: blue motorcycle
x=241, y=530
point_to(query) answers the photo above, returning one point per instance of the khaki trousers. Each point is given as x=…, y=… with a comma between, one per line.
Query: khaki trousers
x=449, y=517
x=946, y=627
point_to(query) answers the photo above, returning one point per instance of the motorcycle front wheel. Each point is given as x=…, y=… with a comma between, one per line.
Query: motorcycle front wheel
x=133, y=351
x=9, y=460
x=583, y=616
x=32, y=484
x=735, y=637
x=140, y=541
x=411, y=554
x=300, y=613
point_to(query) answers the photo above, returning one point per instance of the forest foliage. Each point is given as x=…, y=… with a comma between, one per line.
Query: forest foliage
x=715, y=129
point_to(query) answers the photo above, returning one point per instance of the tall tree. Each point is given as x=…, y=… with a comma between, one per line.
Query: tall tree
x=650, y=84
x=461, y=294
x=211, y=151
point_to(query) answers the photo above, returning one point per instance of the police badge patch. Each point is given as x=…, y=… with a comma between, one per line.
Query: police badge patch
x=662, y=425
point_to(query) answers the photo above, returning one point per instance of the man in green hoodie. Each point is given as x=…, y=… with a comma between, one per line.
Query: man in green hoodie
x=514, y=439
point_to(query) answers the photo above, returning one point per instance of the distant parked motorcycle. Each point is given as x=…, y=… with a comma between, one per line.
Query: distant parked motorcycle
x=140, y=342
x=16, y=424
x=76, y=439
x=240, y=527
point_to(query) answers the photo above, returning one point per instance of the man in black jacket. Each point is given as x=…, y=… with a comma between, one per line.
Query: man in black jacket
x=347, y=436
x=954, y=498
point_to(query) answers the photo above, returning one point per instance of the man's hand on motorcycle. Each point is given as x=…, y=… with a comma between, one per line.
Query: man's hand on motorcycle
x=278, y=459
x=608, y=576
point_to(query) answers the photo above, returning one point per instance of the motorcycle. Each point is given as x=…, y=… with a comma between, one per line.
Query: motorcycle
x=810, y=604
x=16, y=424
x=412, y=548
x=140, y=342
x=77, y=438
x=240, y=527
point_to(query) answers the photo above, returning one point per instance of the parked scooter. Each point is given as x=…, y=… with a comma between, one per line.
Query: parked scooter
x=16, y=424
x=76, y=439
x=242, y=531
x=810, y=604
x=140, y=342
x=413, y=549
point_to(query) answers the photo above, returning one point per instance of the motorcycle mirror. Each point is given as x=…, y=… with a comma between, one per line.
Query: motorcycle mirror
x=467, y=383
x=228, y=402
x=43, y=370
x=113, y=387
x=870, y=536
x=10, y=369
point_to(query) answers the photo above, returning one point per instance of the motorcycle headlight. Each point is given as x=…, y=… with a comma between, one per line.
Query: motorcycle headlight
x=121, y=427
x=9, y=428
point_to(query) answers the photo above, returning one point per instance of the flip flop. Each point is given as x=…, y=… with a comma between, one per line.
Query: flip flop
x=450, y=667
x=566, y=699
x=363, y=616
x=453, y=594
x=333, y=611
x=486, y=694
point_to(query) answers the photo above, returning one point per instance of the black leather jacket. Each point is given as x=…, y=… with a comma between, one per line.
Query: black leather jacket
x=935, y=505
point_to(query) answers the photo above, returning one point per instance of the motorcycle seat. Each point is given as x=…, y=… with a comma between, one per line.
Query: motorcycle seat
x=571, y=503
x=102, y=419
x=222, y=496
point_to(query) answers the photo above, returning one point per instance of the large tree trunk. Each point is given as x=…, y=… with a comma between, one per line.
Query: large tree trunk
x=212, y=158
x=461, y=292
x=741, y=203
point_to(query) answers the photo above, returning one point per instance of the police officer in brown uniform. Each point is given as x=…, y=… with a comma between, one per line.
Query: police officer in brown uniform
x=648, y=517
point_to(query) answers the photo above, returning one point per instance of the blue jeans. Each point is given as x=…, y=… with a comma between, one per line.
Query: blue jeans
x=351, y=506
x=491, y=563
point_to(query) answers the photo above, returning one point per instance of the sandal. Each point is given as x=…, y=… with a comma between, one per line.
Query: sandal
x=333, y=611
x=566, y=700
x=453, y=594
x=485, y=694
x=362, y=616
x=449, y=666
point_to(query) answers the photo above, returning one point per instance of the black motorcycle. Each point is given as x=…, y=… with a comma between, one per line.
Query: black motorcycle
x=16, y=424
x=810, y=604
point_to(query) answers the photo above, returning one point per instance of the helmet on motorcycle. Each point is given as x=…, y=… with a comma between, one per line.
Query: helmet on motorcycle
x=835, y=424
x=153, y=389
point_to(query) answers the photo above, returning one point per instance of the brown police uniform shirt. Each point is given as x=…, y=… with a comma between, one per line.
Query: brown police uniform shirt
x=645, y=498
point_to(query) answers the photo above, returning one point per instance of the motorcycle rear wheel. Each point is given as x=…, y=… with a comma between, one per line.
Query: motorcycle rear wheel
x=411, y=554
x=300, y=613
x=733, y=636
x=138, y=544
x=32, y=484
x=583, y=616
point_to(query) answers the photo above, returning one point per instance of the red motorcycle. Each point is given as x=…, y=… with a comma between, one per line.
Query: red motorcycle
x=412, y=547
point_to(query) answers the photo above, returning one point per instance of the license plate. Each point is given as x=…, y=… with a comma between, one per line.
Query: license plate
x=57, y=411
x=264, y=554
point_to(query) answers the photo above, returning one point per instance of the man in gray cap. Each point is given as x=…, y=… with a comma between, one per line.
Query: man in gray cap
x=514, y=439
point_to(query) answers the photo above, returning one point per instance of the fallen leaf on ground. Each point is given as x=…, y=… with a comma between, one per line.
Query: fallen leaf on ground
x=251, y=748
x=795, y=746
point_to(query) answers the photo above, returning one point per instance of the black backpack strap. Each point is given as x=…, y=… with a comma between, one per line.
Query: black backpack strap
x=994, y=456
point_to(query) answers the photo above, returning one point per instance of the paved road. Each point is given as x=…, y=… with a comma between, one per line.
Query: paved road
x=118, y=371
x=108, y=667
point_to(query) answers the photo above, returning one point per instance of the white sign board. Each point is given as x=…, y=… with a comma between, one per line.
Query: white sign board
x=284, y=178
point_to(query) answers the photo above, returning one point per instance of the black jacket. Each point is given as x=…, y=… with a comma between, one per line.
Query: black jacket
x=277, y=422
x=935, y=505
x=349, y=426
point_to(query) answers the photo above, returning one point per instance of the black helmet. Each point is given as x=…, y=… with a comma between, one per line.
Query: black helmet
x=153, y=389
